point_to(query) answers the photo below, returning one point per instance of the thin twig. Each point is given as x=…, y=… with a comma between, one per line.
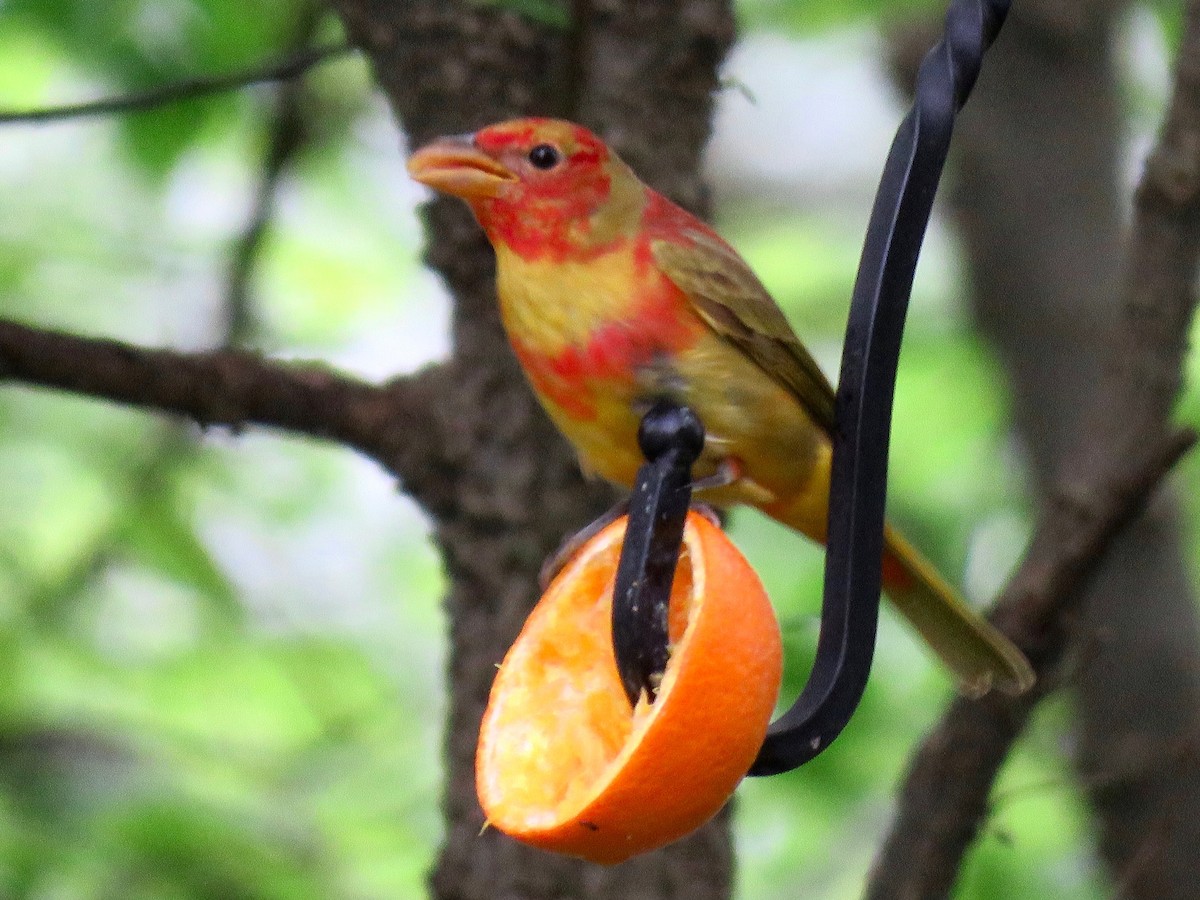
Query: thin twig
x=286, y=138
x=277, y=70
x=288, y=134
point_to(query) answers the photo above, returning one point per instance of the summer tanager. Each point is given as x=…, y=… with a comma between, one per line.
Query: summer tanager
x=613, y=297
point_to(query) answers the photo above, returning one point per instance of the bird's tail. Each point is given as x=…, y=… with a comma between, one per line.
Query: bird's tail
x=980, y=657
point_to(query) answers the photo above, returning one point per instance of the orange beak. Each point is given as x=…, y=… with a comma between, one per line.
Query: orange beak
x=454, y=165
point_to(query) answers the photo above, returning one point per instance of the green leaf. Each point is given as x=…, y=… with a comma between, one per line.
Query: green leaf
x=544, y=12
x=814, y=16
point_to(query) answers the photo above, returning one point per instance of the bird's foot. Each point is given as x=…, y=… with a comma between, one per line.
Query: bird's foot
x=573, y=543
x=729, y=471
x=710, y=512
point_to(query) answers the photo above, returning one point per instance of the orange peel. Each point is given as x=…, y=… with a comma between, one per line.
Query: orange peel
x=563, y=762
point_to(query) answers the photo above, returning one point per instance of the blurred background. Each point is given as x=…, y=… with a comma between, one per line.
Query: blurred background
x=221, y=654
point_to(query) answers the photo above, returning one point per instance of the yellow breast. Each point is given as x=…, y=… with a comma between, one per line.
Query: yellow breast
x=551, y=305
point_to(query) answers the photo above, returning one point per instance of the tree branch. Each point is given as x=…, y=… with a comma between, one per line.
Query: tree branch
x=945, y=796
x=944, y=801
x=236, y=388
x=278, y=70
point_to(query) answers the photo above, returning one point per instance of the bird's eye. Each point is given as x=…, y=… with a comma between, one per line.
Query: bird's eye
x=544, y=156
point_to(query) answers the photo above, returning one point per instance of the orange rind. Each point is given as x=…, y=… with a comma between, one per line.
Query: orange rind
x=565, y=764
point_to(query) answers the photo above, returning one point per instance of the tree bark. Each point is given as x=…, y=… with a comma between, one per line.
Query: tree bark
x=505, y=489
x=466, y=437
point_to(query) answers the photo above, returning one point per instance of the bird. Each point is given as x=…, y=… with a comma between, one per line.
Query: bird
x=613, y=298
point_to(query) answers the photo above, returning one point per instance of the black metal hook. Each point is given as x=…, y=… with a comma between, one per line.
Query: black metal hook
x=850, y=606
x=671, y=438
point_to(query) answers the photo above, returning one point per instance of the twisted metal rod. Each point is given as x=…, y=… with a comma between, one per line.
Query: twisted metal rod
x=858, y=488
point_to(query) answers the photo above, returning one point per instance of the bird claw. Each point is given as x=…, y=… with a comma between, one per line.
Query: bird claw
x=709, y=512
x=573, y=543
x=729, y=471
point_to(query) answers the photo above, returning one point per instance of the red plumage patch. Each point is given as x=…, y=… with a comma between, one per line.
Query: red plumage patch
x=613, y=355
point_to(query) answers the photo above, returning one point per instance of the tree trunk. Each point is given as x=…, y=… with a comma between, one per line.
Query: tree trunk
x=505, y=489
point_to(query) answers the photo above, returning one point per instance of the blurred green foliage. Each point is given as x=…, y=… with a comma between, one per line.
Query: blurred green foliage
x=806, y=17
x=555, y=13
x=220, y=655
x=220, y=659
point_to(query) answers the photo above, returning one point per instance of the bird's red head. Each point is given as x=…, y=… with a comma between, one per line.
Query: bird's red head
x=532, y=183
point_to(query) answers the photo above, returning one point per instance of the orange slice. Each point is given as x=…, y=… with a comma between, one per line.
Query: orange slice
x=563, y=763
